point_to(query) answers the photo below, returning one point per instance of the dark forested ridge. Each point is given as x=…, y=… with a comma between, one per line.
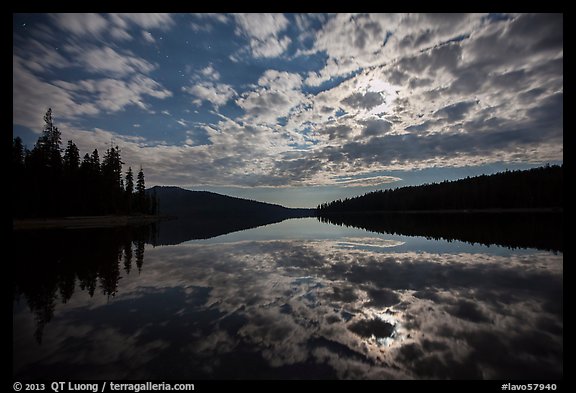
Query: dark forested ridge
x=202, y=214
x=176, y=201
x=529, y=189
x=49, y=181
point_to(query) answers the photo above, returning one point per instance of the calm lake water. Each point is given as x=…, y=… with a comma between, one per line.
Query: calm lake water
x=295, y=299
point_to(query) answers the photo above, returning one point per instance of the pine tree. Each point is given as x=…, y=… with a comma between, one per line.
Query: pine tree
x=129, y=189
x=45, y=183
x=129, y=181
x=17, y=153
x=140, y=192
x=47, y=149
x=71, y=160
x=140, y=185
x=112, y=180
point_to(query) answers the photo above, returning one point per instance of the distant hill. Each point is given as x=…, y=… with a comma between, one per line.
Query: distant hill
x=202, y=214
x=538, y=188
x=176, y=201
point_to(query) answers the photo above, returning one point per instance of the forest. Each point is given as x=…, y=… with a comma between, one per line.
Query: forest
x=535, y=188
x=49, y=181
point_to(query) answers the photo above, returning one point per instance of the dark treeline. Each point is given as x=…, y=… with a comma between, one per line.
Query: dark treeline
x=528, y=189
x=49, y=272
x=49, y=181
x=543, y=230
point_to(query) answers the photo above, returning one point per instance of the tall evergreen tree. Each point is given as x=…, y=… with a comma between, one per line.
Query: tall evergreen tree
x=140, y=192
x=47, y=183
x=71, y=160
x=95, y=161
x=17, y=153
x=19, y=182
x=140, y=185
x=112, y=179
x=129, y=189
x=129, y=181
x=47, y=150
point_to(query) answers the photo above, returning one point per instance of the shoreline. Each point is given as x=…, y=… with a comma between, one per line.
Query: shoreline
x=83, y=222
x=453, y=211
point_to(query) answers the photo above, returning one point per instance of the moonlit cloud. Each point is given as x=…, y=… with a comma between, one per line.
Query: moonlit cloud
x=358, y=306
x=81, y=24
x=274, y=100
x=216, y=93
x=107, y=61
x=264, y=30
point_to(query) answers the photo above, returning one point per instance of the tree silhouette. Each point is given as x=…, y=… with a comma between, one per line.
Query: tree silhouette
x=129, y=189
x=140, y=192
x=46, y=273
x=71, y=159
x=17, y=154
x=529, y=189
x=47, y=183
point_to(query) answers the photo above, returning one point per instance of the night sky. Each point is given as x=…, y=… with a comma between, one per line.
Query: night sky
x=296, y=109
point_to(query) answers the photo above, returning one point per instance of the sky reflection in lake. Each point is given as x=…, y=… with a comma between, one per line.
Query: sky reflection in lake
x=304, y=299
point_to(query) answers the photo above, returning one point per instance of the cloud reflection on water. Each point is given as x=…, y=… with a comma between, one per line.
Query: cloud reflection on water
x=342, y=308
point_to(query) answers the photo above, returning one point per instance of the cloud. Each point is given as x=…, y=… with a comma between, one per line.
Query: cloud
x=217, y=94
x=280, y=80
x=277, y=96
x=148, y=37
x=147, y=20
x=107, y=61
x=40, y=57
x=263, y=31
x=210, y=73
x=71, y=100
x=392, y=313
x=365, y=181
x=379, y=92
x=456, y=111
x=81, y=24
x=112, y=95
x=375, y=127
x=29, y=95
x=117, y=25
x=367, y=100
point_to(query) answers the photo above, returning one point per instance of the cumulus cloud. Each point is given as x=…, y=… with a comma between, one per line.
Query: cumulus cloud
x=379, y=92
x=263, y=31
x=366, y=101
x=210, y=73
x=217, y=94
x=276, y=97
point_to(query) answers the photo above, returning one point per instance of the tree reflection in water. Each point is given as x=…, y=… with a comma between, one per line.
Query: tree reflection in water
x=351, y=304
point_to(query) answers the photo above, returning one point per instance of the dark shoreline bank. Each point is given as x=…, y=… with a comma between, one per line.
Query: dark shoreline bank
x=84, y=222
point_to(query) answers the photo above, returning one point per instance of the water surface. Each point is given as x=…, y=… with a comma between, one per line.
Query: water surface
x=296, y=299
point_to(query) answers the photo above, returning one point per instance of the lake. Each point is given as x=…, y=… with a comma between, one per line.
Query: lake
x=296, y=299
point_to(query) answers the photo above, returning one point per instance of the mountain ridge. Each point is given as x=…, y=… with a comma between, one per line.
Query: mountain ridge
x=183, y=203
